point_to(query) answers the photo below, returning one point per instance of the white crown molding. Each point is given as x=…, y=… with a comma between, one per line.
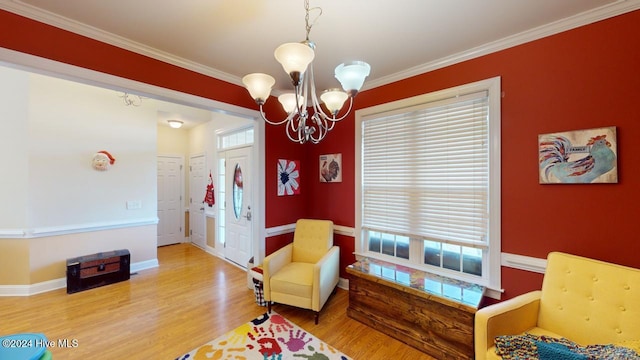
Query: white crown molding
x=606, y=11
x=28, y=62
x=35, y=13
x=585, y=18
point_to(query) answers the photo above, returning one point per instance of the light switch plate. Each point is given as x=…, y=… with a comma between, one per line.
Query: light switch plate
x=134, y=204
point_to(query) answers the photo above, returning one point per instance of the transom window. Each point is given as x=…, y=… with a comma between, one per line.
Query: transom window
x=429, y=182
x=235, y=138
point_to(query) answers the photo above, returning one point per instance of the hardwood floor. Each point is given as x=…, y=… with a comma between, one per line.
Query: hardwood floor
x=162, y=313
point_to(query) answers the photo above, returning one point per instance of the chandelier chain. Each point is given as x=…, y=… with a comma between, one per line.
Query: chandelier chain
x=306, y=18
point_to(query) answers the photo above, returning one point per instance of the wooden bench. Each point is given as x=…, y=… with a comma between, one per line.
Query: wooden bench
x=429, y=312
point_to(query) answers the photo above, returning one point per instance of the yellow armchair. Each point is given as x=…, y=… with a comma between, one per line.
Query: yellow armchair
x=583, y=300
x=305, y=272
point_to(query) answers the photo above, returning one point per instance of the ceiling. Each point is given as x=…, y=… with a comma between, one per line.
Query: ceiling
x=228, y=39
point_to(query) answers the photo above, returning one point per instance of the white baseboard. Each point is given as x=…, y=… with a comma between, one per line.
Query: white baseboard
x=33, y=289
x=343, y=284
x=61, y=283
x=144, y=265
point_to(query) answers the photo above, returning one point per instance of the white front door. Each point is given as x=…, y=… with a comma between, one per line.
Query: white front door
x=170, y=200
x=197, y=190
x=239, y=203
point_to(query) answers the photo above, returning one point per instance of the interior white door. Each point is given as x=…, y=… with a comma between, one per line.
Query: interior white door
x=170, y=200
x=239, y=200
x=197, y=188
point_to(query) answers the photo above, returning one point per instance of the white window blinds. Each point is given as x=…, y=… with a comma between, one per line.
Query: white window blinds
x=425, y=171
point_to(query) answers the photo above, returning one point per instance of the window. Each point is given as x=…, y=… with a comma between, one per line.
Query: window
x=429, y=182
x=235, y=138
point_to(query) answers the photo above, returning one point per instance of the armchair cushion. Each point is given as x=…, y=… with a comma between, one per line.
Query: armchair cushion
x=295, y=279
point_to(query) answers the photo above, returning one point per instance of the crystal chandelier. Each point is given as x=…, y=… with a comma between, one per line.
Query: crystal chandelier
x=297, y=61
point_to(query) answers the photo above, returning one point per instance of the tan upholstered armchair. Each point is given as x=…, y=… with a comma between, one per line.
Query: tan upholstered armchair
x=306, y=272
x=586, y=301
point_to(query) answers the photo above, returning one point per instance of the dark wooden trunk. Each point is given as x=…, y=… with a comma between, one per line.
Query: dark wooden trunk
x=90, y=271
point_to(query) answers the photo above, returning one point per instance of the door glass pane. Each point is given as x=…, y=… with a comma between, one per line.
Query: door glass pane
x=237, y=191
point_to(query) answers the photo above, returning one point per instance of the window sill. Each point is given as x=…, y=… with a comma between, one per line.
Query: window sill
x=420, y=282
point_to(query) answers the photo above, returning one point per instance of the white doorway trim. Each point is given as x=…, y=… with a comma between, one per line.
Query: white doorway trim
x=239, y=220
x=27, y=62
x=197, y=182
x=257, y=167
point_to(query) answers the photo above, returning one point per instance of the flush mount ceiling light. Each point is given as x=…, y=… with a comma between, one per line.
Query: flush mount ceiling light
x=176, y=124
x=297, y=61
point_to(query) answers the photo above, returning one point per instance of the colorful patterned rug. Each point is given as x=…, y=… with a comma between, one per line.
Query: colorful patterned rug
x=267, y=337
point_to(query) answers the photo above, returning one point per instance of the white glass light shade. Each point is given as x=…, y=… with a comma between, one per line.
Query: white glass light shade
x=352, y=75
x=176, y=124
x=259, y=86
x=288, y=102
x=334, y=99
x=294, y=57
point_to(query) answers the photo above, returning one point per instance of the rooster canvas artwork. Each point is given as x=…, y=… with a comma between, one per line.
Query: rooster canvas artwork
x=578, y=157
x=331, y=168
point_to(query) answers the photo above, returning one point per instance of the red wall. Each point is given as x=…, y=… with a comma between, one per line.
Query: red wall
x=283, y=210
x=580, y=79
x=31, y=37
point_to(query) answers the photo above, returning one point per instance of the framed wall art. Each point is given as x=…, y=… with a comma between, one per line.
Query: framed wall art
x=288, y=177
x=331, y=168
x=578, y=157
